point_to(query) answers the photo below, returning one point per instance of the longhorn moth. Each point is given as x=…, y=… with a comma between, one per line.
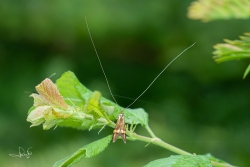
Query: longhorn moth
x=120, y=129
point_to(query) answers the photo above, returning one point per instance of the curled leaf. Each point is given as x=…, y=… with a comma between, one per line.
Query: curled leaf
x=39, y=100
x=36, y=117
x=93, y=105
x=48, y=90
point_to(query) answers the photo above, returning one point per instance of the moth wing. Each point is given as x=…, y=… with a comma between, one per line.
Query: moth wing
x=124, y=137
x=123, y=133
x=115, y=136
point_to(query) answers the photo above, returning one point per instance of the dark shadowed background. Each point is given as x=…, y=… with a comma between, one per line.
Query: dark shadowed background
x=197, y=105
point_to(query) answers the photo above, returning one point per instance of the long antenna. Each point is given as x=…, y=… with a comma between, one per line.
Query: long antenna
x=100, y=62
x=160, y=74
x=149, y=84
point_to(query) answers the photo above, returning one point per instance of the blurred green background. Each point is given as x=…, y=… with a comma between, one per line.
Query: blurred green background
x=197, y=105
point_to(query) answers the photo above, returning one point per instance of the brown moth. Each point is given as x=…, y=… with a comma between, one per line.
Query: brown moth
x=120, y=129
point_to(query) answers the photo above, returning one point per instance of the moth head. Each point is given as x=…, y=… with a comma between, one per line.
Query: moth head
x=121, y=116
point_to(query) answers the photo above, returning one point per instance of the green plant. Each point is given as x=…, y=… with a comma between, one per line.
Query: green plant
x=233, y=50
x=68, y=103
x=209, y=10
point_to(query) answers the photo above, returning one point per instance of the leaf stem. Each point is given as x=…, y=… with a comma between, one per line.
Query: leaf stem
x=150, y=131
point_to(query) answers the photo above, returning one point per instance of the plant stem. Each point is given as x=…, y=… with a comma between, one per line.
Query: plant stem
x=157, y=141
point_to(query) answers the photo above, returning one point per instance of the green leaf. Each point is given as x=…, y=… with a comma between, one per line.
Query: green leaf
x=246, y=72
x=93, y=105
x=69, y=86
x=87, y=151
x=208, y=10
x=136, y=116
x=180, y=161
x=233, y=49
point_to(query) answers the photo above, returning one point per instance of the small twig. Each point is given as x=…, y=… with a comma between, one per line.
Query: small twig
x=101, y=129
